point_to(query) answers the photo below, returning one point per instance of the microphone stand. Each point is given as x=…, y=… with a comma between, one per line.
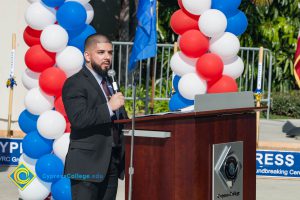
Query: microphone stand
x=131, y=169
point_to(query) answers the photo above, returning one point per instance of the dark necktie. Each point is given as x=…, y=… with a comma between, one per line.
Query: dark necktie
x=105, y=88
x=115, y=132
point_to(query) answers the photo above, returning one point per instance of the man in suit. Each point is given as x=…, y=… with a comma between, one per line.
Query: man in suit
x=95, y=158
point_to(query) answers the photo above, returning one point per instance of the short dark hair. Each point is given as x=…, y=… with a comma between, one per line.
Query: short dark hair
x=95, y=38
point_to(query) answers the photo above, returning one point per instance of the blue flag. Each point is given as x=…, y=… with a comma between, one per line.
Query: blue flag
x=145, y=37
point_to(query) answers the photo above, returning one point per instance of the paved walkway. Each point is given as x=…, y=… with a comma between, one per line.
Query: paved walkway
x=266, y=188
x=271, y=130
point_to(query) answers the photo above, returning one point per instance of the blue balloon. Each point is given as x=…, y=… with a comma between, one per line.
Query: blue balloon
x=78, y=40
x=71, y=15
x=28, y=121
x=35, y=146
x=175, y=82
x=53, y=3
x=75, y=32
x=178, y=102
x=237, y=24
x=228, y=7
x=49, y=168
x=61, y=190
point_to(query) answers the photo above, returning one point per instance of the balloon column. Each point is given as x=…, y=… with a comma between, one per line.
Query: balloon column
x=208, y=61
x=55, y=35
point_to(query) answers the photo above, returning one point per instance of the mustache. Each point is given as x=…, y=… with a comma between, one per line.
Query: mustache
x=106, y=61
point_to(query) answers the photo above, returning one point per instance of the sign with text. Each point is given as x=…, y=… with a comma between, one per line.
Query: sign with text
x=10, y=151
x=269, y=163
x=284, y=164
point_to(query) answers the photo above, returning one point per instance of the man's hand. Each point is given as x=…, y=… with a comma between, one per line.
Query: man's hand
x=116, y=101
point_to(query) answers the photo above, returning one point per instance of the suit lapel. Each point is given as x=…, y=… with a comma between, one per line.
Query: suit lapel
x=92, y=80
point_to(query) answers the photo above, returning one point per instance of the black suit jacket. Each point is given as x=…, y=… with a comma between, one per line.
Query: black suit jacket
x=91, y=140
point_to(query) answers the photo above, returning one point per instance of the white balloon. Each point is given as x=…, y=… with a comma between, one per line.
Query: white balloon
x=181, y=64
x=30, y=79
x=61, y=146
x=83, y=2
x=191, y=84
x=212, y=23
x=28, y=162
x=229, y=60
x=196, y=7
x=38, y=16
x=226, y=45
x=90, y=13
x=234, y=68
x=36, y=190
x=70, y=60
x=37, y=102
x=51, y=124
x=54, y=38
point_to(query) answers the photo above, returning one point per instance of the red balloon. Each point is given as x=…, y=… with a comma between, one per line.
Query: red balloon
x=196, y=17
x=38, y=59
x=210, y=66
x=59, y=106
x=193, y=43
x=51, y=81
x=32, y=36
x=68, y=128
x=223, y=85
x=210, y=83
x=180, y=22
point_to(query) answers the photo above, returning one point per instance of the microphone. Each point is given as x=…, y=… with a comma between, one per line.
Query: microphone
x=111, y=73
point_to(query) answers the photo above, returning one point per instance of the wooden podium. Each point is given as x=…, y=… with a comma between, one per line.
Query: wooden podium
x=179, y=167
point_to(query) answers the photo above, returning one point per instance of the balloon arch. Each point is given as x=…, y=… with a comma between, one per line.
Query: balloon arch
x=55, y=35
x=207, y=61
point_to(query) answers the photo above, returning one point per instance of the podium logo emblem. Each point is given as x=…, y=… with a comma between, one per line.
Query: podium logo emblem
x=21, y=176
x=228, y=167
x=229, y=170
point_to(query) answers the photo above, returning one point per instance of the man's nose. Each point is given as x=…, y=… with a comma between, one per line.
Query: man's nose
x=107, y=55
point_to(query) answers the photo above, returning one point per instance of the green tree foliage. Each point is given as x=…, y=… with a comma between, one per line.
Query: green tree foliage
x=159, y=106
x=262, y=2
x=274, y=27
x=286, y=104
x=165, y=10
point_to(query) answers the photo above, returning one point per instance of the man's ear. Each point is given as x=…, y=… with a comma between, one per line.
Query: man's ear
x=87, y=56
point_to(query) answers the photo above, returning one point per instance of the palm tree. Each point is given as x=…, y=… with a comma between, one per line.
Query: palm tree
x=126, y=20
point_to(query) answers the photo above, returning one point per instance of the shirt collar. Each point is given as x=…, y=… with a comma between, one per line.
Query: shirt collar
x=97, y=76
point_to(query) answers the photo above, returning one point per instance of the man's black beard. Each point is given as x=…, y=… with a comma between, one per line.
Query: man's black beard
x=97, y=68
